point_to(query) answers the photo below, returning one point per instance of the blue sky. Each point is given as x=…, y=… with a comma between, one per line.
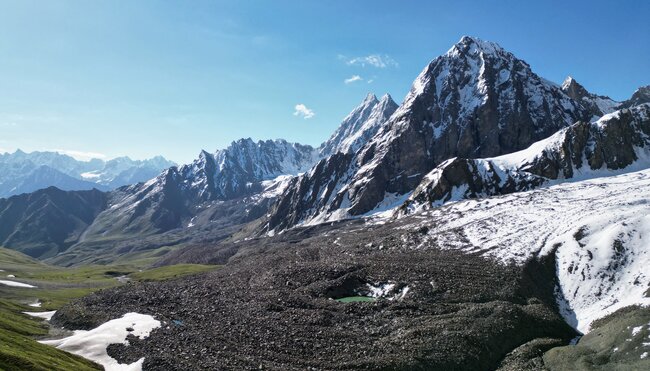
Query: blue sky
x=141, y=78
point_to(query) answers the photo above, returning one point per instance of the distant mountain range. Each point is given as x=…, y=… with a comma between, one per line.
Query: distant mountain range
x=22, y=172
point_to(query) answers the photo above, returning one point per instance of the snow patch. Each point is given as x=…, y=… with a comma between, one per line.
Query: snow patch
x=92, y=344
x=44, y=315
x=15, y=284
x=380, y=290
x=35, y=305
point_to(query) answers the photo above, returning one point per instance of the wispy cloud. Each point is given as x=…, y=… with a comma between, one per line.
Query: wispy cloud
x=303, y=111
x=373, y=60
x=81, y=155
x=353, y=78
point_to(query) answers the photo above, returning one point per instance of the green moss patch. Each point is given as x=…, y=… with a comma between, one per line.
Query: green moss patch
x=616, y=342
x=355, y=299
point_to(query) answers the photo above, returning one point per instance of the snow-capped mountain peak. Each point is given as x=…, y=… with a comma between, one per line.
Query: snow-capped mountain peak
x=569, y=83
x=369, y=99
x=474, y=45
x=359, y=125
x=477, y=100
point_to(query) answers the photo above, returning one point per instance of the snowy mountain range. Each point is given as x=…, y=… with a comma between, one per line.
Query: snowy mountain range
x=483, y=158
x=178, y=194
x=22, y=172
x=473, y=103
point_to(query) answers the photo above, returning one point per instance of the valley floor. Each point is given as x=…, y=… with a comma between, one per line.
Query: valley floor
x=497, y=283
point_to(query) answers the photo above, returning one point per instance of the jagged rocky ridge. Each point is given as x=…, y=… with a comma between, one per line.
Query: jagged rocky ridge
x=177, y=195
x=246, y=170
x=597, y=105
x=617, y=142
x=45, y=223
x=640, y=96
x=477, y=100
x=359, y=126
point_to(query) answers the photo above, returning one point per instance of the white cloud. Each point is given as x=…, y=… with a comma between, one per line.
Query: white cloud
x=303, y=111
x=374, y=60
x=80, y=155
x=353, y=78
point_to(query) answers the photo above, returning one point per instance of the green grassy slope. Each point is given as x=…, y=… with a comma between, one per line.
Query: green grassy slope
x=19, y=350
x=56, y=286
x=618, y=342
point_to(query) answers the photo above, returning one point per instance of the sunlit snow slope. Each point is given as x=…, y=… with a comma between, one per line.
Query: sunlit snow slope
x=598, y=229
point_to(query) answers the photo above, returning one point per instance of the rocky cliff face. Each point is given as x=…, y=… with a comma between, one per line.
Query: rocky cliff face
x=617, y=142
x=477, y=100
x=241, y=166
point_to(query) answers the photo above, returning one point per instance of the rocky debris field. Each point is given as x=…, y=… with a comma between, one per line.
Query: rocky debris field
x=273, y=307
